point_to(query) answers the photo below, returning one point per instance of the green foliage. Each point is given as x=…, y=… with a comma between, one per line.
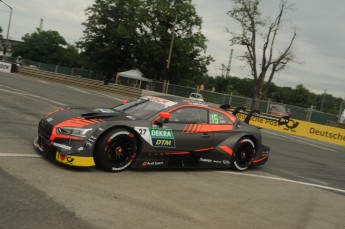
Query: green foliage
x=299, y=96
x=124, y=34
x=110, y=34
x=48, y=47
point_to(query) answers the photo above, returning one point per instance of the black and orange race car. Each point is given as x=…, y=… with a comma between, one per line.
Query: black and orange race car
x=151, y=132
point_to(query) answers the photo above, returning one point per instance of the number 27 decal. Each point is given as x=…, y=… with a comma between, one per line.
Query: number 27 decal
x=142, y=131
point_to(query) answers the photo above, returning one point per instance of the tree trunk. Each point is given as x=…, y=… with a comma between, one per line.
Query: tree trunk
x=257, y=94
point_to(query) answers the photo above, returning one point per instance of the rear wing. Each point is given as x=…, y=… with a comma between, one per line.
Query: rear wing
x=255, y=113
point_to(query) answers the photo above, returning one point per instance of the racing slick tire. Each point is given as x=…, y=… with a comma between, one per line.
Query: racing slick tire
x=244, y=154
x=116, y=150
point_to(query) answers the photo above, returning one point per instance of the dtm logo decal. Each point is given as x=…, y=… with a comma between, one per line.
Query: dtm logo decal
x=157, y=137
x=162, y=142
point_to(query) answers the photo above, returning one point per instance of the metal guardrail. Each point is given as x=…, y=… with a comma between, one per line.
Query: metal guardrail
x=80, y=81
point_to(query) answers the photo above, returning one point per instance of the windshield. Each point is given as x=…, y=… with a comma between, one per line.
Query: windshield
x=144, y=107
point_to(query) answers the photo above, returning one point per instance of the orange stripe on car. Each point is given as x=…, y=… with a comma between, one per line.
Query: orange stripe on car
x=205, y=149
x=184, y=129
x=194, y=128
x=227, y=150
x=261, y=159
x=189, y=128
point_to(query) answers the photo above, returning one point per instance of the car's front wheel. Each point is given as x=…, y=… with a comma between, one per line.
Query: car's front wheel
x=116, y=150
x=244, y=154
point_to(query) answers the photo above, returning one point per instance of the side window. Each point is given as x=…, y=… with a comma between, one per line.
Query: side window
x=218, y=118
x=189, y=115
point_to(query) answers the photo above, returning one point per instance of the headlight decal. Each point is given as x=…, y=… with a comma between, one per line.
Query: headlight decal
x=71, y=131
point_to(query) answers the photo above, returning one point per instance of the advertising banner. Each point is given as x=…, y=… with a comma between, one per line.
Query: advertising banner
x=5, y=67
x=301, y=128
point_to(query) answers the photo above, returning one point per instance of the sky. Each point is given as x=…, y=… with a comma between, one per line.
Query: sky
x=319, y=45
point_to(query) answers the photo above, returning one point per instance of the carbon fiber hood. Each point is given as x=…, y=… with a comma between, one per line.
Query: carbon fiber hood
x=86, y=115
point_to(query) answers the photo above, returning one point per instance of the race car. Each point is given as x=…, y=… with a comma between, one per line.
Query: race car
x=151, y=132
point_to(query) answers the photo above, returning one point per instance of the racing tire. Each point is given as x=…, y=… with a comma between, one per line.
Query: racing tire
x=244, y=154
x=116, y=150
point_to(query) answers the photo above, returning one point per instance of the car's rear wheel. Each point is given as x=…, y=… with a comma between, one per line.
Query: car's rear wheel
x=244, y=154
x=116, y=150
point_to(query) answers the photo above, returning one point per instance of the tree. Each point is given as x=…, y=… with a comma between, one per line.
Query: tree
x=48, y=47
x=174, y=25
x=110, y=32
x=270, y=61
x=124, y=34
x=0, y=32
x=43, y=46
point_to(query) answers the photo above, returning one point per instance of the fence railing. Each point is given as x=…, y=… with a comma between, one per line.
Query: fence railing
x=301, y=113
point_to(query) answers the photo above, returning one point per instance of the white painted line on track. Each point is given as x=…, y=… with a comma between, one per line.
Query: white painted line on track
x=313, y=144
x=42, y=81
x=285, y=180
x=308, y=141
x=108, y=96
x=14, y=90
x=18, y=155
x=77, y=89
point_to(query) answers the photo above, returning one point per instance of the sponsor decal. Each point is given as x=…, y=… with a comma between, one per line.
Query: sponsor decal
x=166, y=103
x=161, y=133
x=49, y=119
x=62, y=146
x=5, y=67
x=212, y=161
x=90, y=141
x=205, y=160
x=80, y=149
x=153, y=163
x=157, y=137
x=162, y=142
x=226, y=162
x=162, y=137
x=327, y=134
x=74, y=160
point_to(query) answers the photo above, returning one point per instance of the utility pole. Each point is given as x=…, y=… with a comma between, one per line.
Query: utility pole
x=229, y=64
x=8, y=28
x=323, y=100
x=171, y=43
x=41, y=25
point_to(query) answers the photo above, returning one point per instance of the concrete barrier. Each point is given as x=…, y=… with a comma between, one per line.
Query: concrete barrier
x=80, y=81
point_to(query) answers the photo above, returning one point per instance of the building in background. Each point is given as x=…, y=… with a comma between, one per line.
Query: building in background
x=9, y=48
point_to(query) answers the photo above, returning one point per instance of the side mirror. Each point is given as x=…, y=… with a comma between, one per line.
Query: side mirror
x=163, y=118
x=164, y=115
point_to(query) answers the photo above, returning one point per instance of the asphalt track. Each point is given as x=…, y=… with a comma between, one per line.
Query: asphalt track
x=301, y=186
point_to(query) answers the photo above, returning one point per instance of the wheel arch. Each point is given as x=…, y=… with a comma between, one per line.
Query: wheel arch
x=111, y=128
x=251, y=137
x=231, y=142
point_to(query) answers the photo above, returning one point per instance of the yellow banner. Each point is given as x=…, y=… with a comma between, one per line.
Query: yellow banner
x=301, y=128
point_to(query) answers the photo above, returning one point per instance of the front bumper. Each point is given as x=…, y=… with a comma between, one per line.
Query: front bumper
x=262, y=156
x=68, y=159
